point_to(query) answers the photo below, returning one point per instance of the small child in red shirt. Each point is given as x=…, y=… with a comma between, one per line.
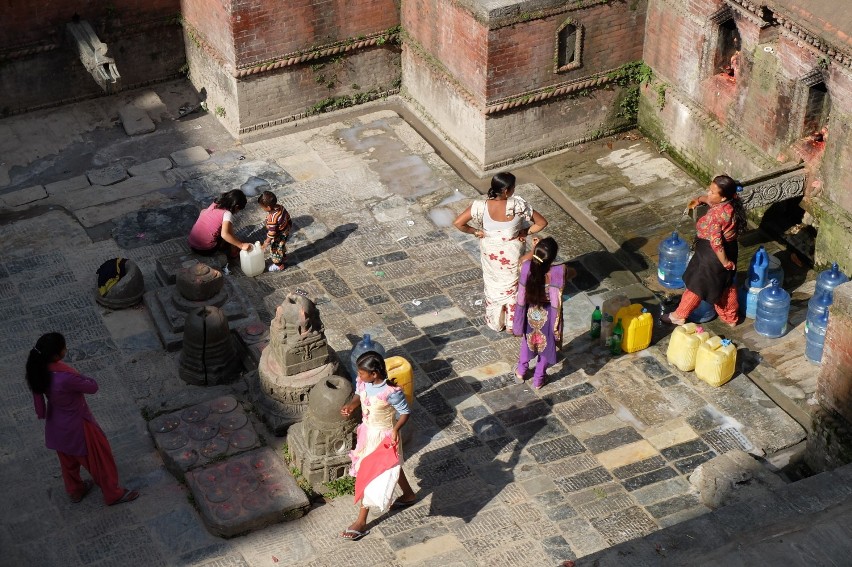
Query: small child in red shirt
x=278, y=224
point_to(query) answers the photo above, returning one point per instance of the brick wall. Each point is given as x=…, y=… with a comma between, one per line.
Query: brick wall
x=451, y=35
x=266, y=29
x=221, y=87
x=521, y=56
x=834, y=385
x=145, y=57
x=211, y=21
x=294, y=90
x=38, y=21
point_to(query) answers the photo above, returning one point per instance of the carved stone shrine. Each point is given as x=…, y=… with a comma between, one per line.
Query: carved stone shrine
x=320, y=443
x=193, y=284
x=296, y=358
x=127, y=291
x=208, y=357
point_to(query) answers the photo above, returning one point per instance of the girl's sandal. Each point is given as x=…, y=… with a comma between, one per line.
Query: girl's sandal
x=128, y=496
x=87, y=487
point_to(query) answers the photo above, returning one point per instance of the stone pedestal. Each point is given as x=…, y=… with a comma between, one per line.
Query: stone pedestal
x=127, y=292
x=247, y=492
x=202, y=433
x=253, y=339
x=196, y=285
x=320, y=443
x=296, y=358
x=167, y=267
x=208, y=357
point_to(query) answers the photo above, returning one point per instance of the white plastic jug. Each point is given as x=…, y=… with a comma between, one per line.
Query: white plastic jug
x=252, y=262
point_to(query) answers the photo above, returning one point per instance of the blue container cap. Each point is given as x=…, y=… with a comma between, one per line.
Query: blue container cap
x=726, y=342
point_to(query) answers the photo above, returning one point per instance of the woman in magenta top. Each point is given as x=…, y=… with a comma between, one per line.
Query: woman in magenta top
x=70, y=428
x=214, y=228
x=710, y=274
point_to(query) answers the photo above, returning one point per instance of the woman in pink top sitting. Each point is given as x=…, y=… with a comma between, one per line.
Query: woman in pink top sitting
x=214, y=230
x=70, y=428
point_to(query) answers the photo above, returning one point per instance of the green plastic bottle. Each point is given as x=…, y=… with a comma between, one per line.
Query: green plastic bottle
x=595, y=330
x=617, y=336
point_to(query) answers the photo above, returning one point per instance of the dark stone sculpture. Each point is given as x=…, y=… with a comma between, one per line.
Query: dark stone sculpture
x=127, y=292
x=320, y=444
x=296, y=358
x=208, y=357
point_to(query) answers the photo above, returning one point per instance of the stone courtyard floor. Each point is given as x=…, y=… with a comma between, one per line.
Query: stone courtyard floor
x=505, y=474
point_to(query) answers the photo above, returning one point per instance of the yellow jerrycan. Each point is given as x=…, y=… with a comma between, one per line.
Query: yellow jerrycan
x=399, y=370
x=638, y=326
x=683, y=345
x=715, y=361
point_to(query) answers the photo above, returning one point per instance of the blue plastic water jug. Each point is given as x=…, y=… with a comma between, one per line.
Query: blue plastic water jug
x=830, y=279
x=815, y=338
x=364, y=345
x=773, y=309
x=674, y=253
x=757, y=268
x=818, y=305
x=703, y=313
x=775, y=271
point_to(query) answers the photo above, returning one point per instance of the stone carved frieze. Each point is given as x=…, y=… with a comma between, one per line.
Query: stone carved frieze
x=769, y=191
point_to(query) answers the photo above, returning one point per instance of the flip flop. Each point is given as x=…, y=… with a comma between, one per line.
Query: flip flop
x=397, y=504
x=128, y=496
x=353, y=535
x=87, y=487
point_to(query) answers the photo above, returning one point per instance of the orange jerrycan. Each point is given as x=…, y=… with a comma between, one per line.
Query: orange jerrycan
x=638, y=326
x=399, y=370
x=683, y=345
x=715, y=361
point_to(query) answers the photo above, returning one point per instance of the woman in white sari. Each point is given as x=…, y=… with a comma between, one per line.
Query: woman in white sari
x=502, y=234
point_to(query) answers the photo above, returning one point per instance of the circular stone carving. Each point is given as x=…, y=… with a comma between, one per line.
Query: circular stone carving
x=172, y=441
x=217, y=494
x=187, y=458
x=226, y=512
x=233, y=422
x=165, y=423
x=214, y=448
x=209, y=478
x=243, y=439
x=246, y=485
x=223, y=404
x=199, y=282
x=195, y=414
x=236, y=470
x=255, y=330
x=203, y=431
x=255, y=500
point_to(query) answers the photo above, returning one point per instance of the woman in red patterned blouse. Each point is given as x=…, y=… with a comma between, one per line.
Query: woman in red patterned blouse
x=712, y=269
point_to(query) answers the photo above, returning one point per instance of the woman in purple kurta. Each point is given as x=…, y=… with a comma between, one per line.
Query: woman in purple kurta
x=70, y=428
x=538, y=311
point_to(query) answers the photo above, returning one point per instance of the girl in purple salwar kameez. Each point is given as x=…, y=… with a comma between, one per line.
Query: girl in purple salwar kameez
x=538, y=312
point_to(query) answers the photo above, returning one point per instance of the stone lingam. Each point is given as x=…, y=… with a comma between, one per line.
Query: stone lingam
x=196, y=284
x=320, y=444
x=208, y=356
x=296, y=358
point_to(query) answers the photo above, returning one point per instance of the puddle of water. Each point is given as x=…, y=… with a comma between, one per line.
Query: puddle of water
x=402, y=173
x=457, y=196
x=442, y=216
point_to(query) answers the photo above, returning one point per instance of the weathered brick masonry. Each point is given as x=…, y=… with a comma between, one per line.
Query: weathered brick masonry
x=39, y=67
x=264, y=63
x=487, y=79
x=753, y=123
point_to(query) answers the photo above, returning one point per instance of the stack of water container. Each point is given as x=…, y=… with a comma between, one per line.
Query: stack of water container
x=817, y=320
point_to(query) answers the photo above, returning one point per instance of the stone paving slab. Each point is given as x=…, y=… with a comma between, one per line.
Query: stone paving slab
x=153, y=166
x=108, y=175
x=135, y=120
x=23, y=196
x=190, y=156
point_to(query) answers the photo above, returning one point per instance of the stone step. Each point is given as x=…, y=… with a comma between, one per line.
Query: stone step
x=784, y=520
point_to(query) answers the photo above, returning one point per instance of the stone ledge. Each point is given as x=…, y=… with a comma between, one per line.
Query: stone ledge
x=24, y=196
